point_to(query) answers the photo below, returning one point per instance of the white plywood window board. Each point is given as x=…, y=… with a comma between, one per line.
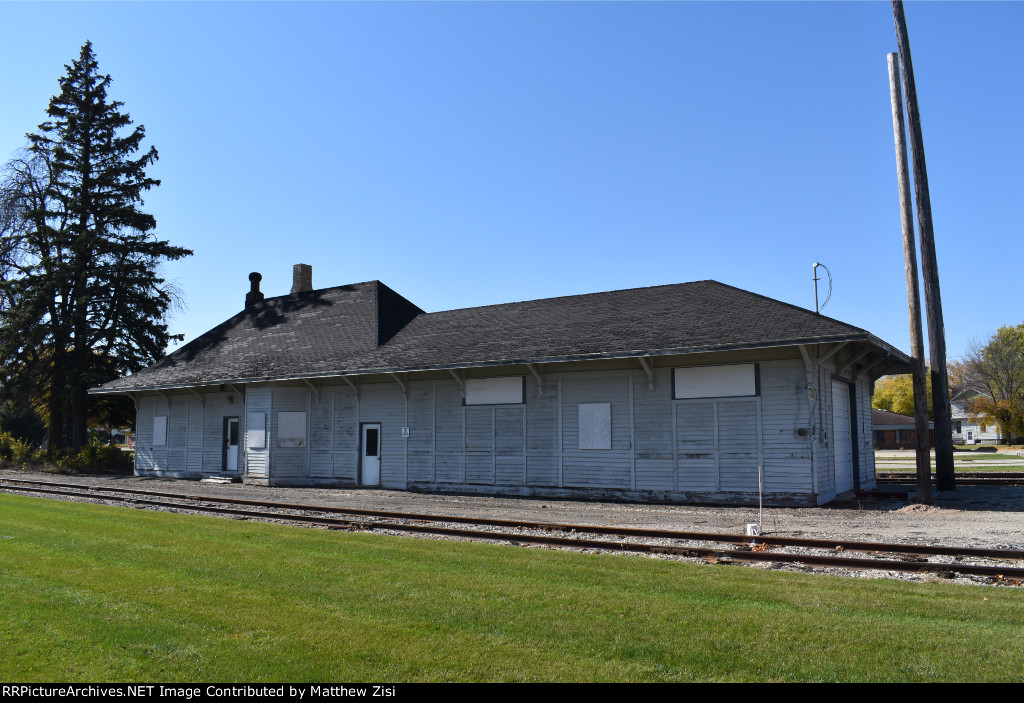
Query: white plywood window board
x=160, y=431
x=255, y=430
x=494, y=391
x=726, y=381
x=291, y=429
x=595, y=425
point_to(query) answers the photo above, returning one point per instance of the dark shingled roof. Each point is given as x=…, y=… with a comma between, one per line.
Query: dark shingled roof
x=368, y=328
x=885, y=419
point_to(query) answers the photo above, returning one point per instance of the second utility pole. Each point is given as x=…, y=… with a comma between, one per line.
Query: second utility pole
x=929, y=265
x=924, y=461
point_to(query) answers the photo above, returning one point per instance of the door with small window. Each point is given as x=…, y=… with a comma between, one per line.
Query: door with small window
x=229, y=455
x=369, y=468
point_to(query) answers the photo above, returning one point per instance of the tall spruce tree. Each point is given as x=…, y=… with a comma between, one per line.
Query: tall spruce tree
x=81, y=301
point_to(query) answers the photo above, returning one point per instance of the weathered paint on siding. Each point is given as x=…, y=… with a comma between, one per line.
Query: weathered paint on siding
x=257, y=460
x=659, y=446
x=864, y=438
x=384, y=403
x=195, y=433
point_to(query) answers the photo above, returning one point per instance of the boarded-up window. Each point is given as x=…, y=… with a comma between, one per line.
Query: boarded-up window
x=595, y=425
x=727, y=381
x=160, y=431
x=255, y=430
x=494, y=391
x=291, y=429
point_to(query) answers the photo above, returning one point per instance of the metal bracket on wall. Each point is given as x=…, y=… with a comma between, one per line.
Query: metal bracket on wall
x=539, y=375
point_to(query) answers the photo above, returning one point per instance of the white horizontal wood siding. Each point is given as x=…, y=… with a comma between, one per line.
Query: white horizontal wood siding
x=653, y=433
x=597, y=468
x=257, y=459
x=786, y=425
x=384, y=403
x=194, y=432
x=866, y=449
x=345, y=432
x=658, y=444
x=543, y=448
x=288, y=462
x=420, y=445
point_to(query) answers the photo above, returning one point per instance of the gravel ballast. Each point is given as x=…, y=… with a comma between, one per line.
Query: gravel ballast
x=971, y=516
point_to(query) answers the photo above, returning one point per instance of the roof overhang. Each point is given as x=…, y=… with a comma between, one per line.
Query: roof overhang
x=894, y=361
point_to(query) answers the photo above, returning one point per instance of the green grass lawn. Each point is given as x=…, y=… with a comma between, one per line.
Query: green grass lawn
x=93, y=593
x=962, y=461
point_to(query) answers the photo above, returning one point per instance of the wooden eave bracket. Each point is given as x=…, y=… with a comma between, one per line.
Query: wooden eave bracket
x=810, y=367
x=355, y=386
x=648, y=364
x=889, y=364
x=461, y=381
x=539, y=375
x=871, y=365
x=162, y=395
x=316, y=389
x=401, y=383
x=853, y=361
x=197, y=394
x=830, y=352
x=236, y=390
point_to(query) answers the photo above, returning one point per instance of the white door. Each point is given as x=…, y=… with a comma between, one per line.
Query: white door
x=230, y=444
x=842, y=439
x=370, y=463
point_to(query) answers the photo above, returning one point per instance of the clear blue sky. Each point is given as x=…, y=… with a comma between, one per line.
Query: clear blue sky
x=475, y=153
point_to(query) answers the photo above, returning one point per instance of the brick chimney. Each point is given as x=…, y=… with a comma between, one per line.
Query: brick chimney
x=302, y=278
x=254, y=295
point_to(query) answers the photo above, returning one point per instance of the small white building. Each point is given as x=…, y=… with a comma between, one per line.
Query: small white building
x=967, y=430
x=695, y=392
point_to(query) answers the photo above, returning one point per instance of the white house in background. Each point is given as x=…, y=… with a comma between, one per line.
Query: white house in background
x=695, y=392
x=966, y=430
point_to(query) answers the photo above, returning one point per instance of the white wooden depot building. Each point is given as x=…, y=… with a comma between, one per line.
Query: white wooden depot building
x=695, y=392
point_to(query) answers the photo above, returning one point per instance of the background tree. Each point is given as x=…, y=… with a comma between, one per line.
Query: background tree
x=962, y=377
x=80, y=298
x=21, y=421
x=896, y=394
x=996, y=369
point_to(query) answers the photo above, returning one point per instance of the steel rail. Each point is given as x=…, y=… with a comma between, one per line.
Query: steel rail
x=959, y=474
x=576, y=543
x=771, y=540
x=548, y=540
x=907, y=478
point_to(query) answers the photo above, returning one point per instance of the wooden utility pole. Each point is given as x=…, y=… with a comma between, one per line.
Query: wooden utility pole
x=924, y=464
x=929, y=265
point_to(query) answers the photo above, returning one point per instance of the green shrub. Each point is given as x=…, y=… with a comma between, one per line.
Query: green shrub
x=13, y=450
x=93, y=457
x=6, y=448
x=90, y=458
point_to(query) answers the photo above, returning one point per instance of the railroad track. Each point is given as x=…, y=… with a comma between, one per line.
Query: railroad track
x=964, y=478
x=1005, y=565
